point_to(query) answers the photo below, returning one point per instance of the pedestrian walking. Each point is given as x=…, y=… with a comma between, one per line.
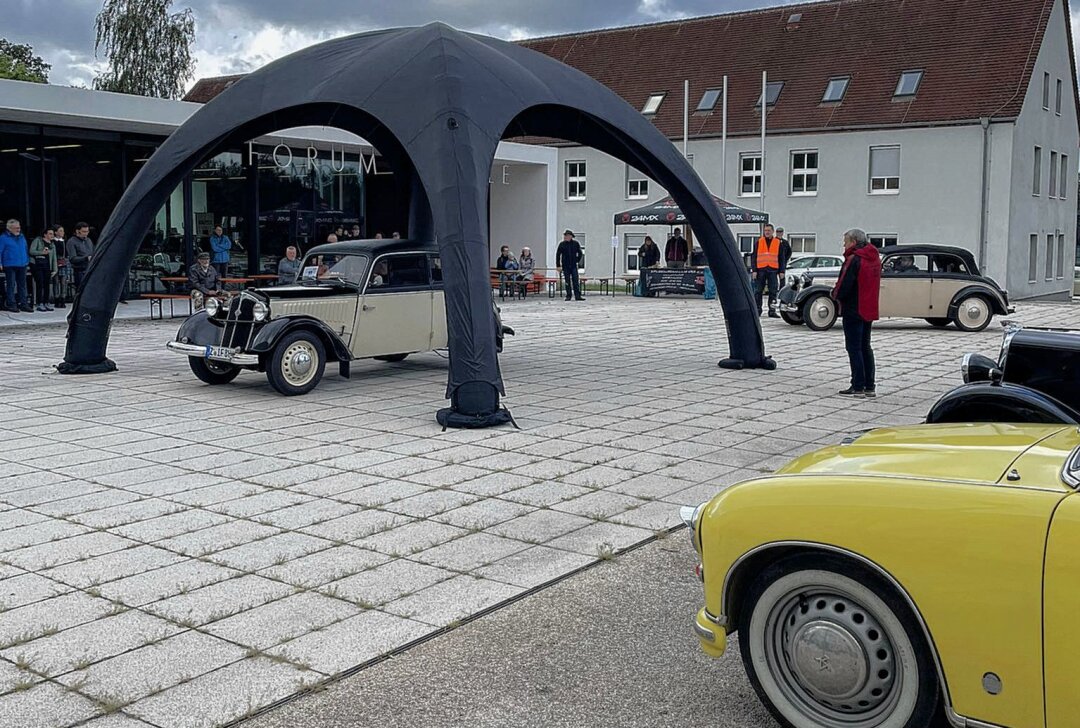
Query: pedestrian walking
x=677, y=250
x=220, y=245
x=568, y=257
x=43, y=257
x=765, y=269
x=856, y=293
x=14, y=259
x=80, y=250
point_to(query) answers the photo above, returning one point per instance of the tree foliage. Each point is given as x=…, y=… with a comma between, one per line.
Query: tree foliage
x=147, y=46
x=18, y=62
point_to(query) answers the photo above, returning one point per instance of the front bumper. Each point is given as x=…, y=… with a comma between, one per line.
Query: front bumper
x=710, y=634
x=238, y=359
x=788, y=307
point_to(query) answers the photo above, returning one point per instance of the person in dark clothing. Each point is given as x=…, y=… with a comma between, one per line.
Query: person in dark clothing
x=677, y=250
x=765, y=269
x=79, y=249
x=204, y=281
x=785, y=255
x=648, y=253
x=568, y=257
x=856, y=292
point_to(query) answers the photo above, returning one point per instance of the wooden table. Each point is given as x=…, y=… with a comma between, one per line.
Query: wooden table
x=238, y=281
x=172, y=281
x=268, y=277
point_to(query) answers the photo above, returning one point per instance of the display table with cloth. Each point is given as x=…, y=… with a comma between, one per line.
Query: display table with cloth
x=685, y=281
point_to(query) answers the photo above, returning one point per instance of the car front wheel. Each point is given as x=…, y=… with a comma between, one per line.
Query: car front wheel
x=297, y=363
x=212, y=372
x=819, y=313
x=827, y=643
x=973, y=313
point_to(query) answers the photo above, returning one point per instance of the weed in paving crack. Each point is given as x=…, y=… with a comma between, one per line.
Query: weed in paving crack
x=605, y=552
x=22, y=661
x=110, y=704
x=22, y=685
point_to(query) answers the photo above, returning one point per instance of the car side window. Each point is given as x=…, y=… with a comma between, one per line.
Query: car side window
x=903, y=264
x=398, y=272
x=949, y=264
x=802, y=263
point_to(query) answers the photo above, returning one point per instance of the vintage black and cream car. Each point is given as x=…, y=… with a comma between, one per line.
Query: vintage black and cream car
x=938, y=283
x=366, y=299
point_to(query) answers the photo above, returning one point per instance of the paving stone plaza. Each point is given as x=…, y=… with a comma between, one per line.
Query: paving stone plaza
x=173, y=554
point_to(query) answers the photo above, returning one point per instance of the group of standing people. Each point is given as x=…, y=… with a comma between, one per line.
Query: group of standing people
x=676, y=251
x=43, y=258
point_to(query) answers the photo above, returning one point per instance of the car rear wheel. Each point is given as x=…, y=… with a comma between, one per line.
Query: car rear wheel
x=297, y=363
x=828, y=643
x=792, y=318
x=973, y=313
x=392, y=357
x=212, y=372
x=819, y=313
x=939, y=322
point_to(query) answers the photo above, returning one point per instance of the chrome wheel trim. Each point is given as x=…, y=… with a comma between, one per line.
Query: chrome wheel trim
x=973, y=312
x=299, y=362
x=821, y=310
x=814, y=692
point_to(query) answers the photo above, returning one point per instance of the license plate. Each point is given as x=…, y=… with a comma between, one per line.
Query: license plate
x=221, y=353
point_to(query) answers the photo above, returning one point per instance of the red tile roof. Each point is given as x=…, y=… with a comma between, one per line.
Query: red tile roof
x=976, y=56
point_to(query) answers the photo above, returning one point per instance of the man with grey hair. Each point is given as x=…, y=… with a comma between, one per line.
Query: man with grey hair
x=856, y=293
x=14, y=258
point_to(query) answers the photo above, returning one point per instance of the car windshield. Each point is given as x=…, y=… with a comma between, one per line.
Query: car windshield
x=346, y=268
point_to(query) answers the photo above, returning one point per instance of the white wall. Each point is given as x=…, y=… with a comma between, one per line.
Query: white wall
x=519, y=206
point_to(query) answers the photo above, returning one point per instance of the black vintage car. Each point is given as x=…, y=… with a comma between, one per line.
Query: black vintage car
x=938, y=283
x=1036, y=379
x=364, y=299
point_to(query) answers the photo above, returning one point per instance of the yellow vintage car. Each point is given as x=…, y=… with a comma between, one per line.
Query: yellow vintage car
x=904, y=576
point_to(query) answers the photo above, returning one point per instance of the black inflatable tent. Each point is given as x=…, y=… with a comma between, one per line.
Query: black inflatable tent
x=435, y=102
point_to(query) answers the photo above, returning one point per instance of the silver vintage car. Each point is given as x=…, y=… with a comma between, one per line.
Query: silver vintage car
x=365, y=299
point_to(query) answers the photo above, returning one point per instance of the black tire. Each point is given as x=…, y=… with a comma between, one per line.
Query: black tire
x=819, y=313
x=805, y=601
x=792, y=318
x=286, y=368
x=939, y=322
x=967, y=320
x=392, y=357
x=212, y=372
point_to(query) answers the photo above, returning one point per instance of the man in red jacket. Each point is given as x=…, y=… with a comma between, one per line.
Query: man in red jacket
x=856, y=293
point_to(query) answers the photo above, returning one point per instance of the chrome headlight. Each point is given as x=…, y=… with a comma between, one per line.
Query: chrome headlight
x=691, y=516
x=212, y=306
x=260, y=311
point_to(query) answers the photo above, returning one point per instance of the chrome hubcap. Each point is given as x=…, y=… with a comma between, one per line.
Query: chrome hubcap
x=298, y=364
x=832, y=658
x=974, y=311
x=822, y=311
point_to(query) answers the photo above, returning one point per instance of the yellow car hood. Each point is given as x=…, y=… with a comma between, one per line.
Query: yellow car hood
x=967, y=452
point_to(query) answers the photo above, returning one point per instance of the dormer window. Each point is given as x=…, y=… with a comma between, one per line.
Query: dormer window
x=836, y=89
x=908, y=83
x=653, y=104
x=772, y=93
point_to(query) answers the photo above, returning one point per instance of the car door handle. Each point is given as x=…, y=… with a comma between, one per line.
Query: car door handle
x=366, y=307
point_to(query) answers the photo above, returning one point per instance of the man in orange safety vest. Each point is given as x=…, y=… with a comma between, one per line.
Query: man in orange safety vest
x=765, y=268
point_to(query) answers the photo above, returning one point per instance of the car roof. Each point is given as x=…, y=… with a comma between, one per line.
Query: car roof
x=375, y=247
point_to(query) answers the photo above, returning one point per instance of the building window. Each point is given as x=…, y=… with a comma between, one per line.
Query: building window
x=1046, y=91
x=803, y=243
x=772, y=93
x=1060, y=256
x=637, y=187
x=1033, y=259
x=880, y=240
x=835, y=89
x=633, y=241
x=653, y=104
x=884, y=170
x=804, y=172
x=1053, y=175
x=908, y=83
x=746, y=243
x=708, y=101
x=575, y=180
x=1063, y=185
x=1036, y=173
x=1057, y=103
x=750, y=175
x=1050, y=257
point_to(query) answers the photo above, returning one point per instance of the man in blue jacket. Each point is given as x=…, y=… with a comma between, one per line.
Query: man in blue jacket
x=220, y=245
x=14, y=257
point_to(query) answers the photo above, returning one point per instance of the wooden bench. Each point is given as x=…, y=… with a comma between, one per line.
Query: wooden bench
x=156, y=300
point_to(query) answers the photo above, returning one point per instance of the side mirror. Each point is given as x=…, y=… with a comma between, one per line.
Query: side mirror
x=979, y=368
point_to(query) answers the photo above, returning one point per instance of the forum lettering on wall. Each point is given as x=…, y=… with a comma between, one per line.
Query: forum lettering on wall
x=285, y=156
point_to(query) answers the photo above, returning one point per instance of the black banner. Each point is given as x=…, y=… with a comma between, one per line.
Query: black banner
x=674, y=280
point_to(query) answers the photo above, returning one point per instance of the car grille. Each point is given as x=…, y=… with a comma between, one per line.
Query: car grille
x=239, y=323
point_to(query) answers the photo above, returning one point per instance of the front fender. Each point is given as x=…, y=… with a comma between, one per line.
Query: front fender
x=276, y=329
x=199, y=329
x=997, y=302
x=804, y=294
x=987, y=402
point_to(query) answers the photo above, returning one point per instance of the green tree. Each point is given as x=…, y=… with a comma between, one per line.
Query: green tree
x=19, y=63
x=147, y=46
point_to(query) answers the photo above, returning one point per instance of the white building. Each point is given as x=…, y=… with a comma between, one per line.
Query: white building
x=922, y=121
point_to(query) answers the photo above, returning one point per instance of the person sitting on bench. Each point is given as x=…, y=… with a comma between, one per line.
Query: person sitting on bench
x=204, y=281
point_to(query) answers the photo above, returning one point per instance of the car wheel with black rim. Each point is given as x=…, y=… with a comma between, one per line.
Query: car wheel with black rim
x=212, y=372
x=792, y=318
x=392, y=357
x=819, y=312
x=829, y=644
x=297, y=363
x=939, y=322
x=973, y=313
